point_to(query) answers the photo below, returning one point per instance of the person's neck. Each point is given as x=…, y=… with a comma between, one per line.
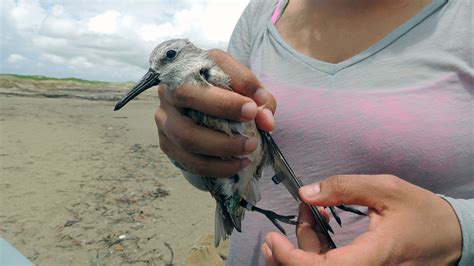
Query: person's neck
x=335, y=30
x=348, y=7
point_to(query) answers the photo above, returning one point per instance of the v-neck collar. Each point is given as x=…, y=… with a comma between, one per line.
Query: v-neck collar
x=333, y=68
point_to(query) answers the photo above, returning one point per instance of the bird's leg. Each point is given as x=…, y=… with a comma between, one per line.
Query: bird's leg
x=272, y=216
x=338, y=219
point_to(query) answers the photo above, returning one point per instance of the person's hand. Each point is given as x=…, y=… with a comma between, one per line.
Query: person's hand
x=199, y=149
x=408, y=225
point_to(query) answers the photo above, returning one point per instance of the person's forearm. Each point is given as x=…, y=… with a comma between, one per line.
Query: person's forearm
x=464, y=209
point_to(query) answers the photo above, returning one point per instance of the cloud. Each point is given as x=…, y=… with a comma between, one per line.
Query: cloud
x=60, y=24
x=27, y=15
x=106, y=40
x=15, y=59
x=154, y=32
x=54, y=59
x=106, y=23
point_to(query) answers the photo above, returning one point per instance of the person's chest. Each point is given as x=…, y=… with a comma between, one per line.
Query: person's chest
x=422, y=133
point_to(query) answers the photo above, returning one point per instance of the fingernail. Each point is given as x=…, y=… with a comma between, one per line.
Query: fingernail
x=268, y=115
x=245, y=163
x=266, y=250
x=310, y=191
x=268, y=241
x=251, y=144
x=260, y=96
x=249, y=111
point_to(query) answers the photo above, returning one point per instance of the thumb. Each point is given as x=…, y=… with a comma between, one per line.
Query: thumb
x=244, y=82
x=279, y=246
x=373, y=191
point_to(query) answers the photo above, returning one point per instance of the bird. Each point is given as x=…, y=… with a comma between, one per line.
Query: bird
x=178, y=61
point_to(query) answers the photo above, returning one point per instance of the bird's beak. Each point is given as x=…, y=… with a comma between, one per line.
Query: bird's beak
x=150, y=79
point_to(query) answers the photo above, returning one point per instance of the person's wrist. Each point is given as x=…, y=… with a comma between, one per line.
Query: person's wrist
x=453, y=234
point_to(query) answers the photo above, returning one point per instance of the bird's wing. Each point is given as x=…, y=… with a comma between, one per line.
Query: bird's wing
x=285, y=175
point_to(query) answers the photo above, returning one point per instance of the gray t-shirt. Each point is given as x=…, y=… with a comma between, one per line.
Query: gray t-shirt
x=404, y=107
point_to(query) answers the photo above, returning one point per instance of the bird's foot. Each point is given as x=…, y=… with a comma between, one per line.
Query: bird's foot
x=271, y=215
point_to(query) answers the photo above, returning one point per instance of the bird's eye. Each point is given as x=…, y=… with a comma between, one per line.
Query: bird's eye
x=171, y=54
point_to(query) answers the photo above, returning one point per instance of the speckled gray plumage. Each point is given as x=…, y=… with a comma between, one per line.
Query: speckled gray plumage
x=192, y=65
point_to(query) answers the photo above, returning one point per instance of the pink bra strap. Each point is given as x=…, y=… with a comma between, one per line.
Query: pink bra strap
x=276, y=13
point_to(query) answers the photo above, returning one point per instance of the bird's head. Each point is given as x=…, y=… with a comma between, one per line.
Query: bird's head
x=166, y=62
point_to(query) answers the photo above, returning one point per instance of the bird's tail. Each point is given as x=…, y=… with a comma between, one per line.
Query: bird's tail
x=229, y=213
x=225, y=222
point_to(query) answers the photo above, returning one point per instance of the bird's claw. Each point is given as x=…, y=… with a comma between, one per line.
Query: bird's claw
x=344, y=208
x=351, y=209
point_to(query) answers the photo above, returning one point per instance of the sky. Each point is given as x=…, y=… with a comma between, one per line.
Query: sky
x=107, y=40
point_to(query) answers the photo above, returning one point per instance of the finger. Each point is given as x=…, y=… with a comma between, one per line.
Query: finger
x=268, y=256
x=326, y=215
x=242, y=79
x=285, y=253
x=357, y=252
x=307, y=237
x=211, y=100
x=279, y=246
x=265, y=119
x=374, y=191
x=201, y=165
x=189, y=136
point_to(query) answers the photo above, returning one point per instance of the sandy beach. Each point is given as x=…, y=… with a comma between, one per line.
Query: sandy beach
x=83, y=185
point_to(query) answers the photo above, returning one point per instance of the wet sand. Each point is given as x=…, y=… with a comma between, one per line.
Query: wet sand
x=83, y=185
